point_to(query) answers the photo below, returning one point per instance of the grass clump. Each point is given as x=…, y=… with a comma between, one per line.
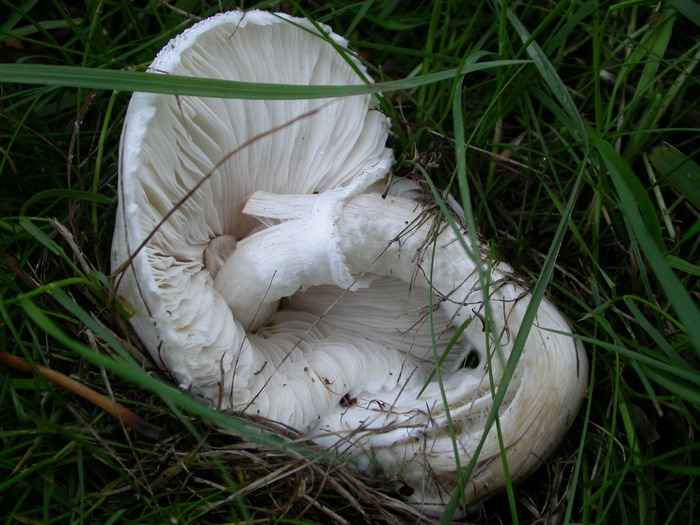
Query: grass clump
x=577, y=158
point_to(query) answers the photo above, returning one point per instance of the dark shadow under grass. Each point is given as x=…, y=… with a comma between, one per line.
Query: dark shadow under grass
x=580, y=166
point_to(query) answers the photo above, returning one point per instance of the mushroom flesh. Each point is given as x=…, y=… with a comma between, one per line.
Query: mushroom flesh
x=288, y=285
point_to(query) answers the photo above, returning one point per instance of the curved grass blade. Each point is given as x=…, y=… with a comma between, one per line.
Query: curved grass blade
x=77, y=77
x=621, y=173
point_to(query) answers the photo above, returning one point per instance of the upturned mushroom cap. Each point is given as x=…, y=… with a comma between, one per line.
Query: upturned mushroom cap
x=289, y=287
x=170, y=143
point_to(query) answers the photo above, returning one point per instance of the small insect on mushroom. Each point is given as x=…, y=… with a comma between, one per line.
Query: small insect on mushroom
x=348, y=401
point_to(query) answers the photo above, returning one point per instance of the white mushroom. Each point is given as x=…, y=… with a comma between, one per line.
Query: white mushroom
x=289, y=287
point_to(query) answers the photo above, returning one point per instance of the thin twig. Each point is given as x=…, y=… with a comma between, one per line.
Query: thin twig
x=114, y=409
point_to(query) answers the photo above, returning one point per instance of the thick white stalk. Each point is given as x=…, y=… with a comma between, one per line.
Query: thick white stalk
x=347, y=243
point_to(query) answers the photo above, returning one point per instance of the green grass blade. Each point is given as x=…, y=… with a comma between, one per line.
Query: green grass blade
x=679, y=170
x=550, y=76
x=621, y=174
x=688, y=8
x=69, y=76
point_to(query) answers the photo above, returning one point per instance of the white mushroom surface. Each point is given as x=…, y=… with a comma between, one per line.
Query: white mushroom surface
x=287, y=286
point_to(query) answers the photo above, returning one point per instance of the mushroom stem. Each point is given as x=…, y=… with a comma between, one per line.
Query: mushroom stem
x=348, y=243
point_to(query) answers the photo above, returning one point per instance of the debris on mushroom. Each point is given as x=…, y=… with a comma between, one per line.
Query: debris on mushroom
x=288, y=286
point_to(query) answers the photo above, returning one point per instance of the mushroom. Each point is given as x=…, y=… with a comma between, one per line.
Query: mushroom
x=289, y=285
